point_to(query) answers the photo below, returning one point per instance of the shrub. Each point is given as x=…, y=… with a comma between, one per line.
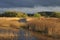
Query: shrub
x=20, y=14
x=57, y=14
x=37, y=15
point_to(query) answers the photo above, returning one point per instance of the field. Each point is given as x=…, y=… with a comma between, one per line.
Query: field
x=9, y=28
x=45, y=28
x=42, y=28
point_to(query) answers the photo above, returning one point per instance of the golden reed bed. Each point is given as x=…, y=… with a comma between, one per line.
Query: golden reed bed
x=6, y=25
x=51, y=26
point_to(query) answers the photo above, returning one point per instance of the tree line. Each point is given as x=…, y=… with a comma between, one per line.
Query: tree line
x=38, y=14
x=13, y=14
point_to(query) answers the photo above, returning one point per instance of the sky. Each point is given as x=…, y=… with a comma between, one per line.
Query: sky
x=29, y=5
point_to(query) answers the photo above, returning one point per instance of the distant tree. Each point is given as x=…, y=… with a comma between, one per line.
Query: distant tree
x=21, y=14
x=13, y=14
x=37, y=15
x=25, y=15
x=47, y=14
x=57, y=14
x=9, y=14
x=1, y=15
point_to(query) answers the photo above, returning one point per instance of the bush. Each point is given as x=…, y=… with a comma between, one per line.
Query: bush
x=37, y=15
x=57, y=14
x=20, y=14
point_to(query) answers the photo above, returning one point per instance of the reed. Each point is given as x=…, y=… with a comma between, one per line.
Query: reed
x=48, y=26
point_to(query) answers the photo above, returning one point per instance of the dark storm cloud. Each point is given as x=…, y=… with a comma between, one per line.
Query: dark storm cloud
x=28, y=3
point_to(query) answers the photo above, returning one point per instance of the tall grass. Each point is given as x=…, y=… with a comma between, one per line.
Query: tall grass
x=49, y=26
x=8, y=36
x=9, y=29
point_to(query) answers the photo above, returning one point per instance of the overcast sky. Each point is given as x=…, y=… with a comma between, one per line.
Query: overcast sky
x=30, y=5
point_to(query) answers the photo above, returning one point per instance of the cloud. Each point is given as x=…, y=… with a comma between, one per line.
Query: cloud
x=28, y=3
x=32, y=10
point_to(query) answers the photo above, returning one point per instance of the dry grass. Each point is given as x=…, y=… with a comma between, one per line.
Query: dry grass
x=8, y=36
x=51, y=26
x=9, y=24
x=45, y=28
x=9, y=29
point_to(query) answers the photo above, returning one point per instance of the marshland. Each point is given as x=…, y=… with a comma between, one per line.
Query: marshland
x=37, y=26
